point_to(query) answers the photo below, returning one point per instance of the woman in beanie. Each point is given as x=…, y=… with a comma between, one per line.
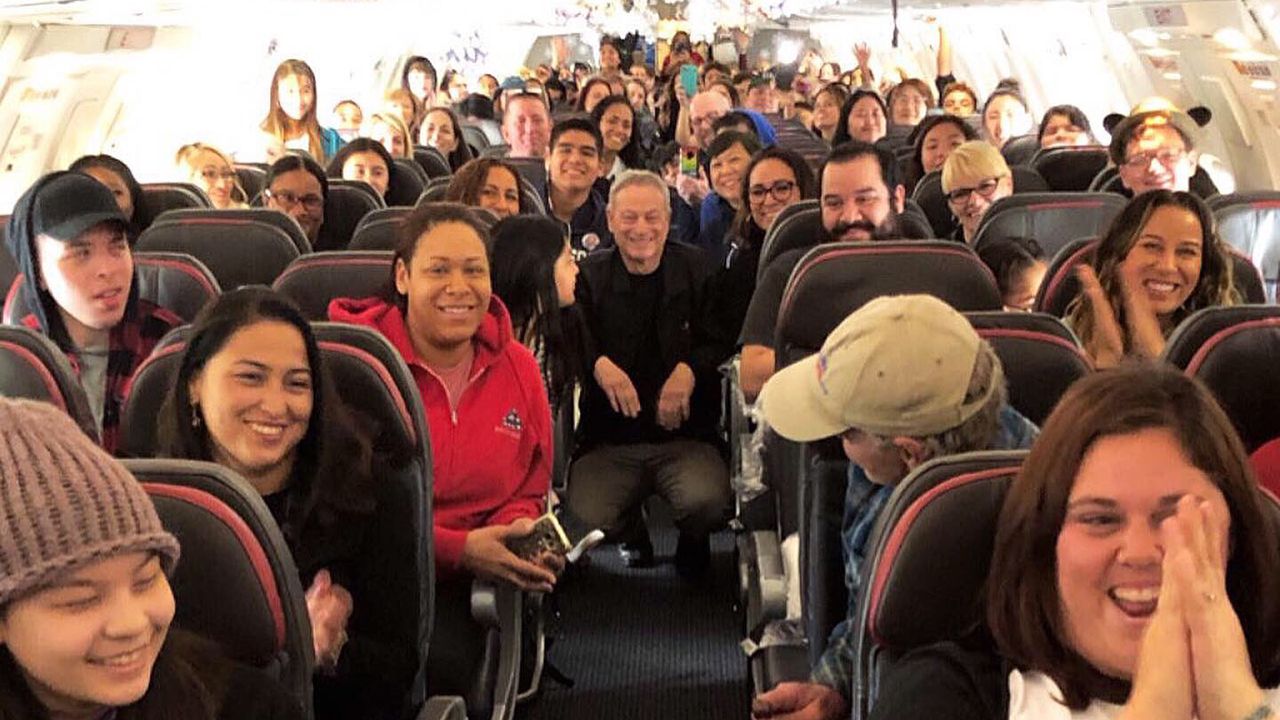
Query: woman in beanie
x=70, y=241
x=253, y=394
x=85, y=603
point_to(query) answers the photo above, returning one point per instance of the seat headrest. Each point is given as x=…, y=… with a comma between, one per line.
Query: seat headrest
x=347, y=203
x=1072, y=168
x=1053, y=219
x=256, y=214
x=1040, y=355
x=32, y=367
x=797, y=226
x=312, y=281
x=237, y=252
x=380, y=229
x=833, y=280
x=1254, y=229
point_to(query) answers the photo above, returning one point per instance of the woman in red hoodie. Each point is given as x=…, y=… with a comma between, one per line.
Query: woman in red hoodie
x=491, y=436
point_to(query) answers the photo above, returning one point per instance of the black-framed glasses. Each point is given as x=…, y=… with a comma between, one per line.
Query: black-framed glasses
x=985, y=190
x=779, y=189
x=288, y=199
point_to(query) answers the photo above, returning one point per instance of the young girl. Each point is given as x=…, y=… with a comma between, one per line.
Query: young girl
x=1019, y=266
x=86, y=610
x=291, y=117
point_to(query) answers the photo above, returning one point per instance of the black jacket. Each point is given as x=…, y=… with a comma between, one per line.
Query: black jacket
x=616, y=325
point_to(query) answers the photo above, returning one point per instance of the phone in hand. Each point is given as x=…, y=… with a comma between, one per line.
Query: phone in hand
x=689, y=79
x=689, y=162
x=547, y=536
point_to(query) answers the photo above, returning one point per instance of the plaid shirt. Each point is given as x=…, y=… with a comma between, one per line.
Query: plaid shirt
x=129, y=343
x=863, y=502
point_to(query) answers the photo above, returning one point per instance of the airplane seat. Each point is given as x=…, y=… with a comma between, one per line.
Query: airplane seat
x=928, y=556
x=380, y=229
x=1040, y=355
x=1107, y=180
x=432, y=161
x=312, y=281
x=1018, y=151
x=237, y=252
x=914, y=223
x=1253, y=227
x=1218, y=202
x=1070, y=169
x=797, y=226
x=159, y=197
x=434, y=190
x=500, y=150
x=8, y=266
x=1060, y=286
x=348, y=202
x=274, y=218
x=475, y=137
x=32, y=367
x=236, y=583
x=1233, y=350
x=406, y=183
x=1053, y=219
x=252, y=179
x=174, y=281
x=828, y=284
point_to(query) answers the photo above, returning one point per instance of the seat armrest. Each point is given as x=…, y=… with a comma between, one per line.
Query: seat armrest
x=501, y=606
x=443, y=707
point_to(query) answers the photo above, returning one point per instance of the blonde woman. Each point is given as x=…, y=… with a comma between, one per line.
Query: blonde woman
x=209, y=169
x=389, y=129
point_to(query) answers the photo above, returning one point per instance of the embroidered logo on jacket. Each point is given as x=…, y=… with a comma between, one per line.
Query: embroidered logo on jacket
x=511, y=424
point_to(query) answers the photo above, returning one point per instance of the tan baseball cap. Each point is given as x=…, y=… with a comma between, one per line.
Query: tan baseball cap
x=898, y=366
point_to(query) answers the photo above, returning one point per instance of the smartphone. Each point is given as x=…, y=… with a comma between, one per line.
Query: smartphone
x=689, y=79
x=689, y=162
x=547, y=536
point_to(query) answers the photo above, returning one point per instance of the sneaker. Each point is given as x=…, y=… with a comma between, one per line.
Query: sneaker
x=693, y=556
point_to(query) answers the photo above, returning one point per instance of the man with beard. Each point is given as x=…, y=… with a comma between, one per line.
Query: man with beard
x=861, y=199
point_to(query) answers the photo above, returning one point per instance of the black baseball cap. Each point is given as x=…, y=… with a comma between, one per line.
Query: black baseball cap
x=67, y=205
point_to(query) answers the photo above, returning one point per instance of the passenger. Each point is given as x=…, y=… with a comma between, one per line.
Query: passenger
x=572, y=169
x=119, y=180
x=420, y=79
x=909, y=101
x=650, y=409
x=826, y=110
x=404, y=105
x=1004, y=114
x=389, y=129
x=735, y=121
x=711, y=73
x=610, y=58
x=936, y=138
x=1065, y=125
x=453, y=88
x=296, y=186
x=253, y=394
x=488, y=85
x=442, y=130
x=67, y=235
x=974, y=177
x=291, y=117
x=902, y=380
x=592, y=93
x=776, y=179
x=802, y=111
x=617, y=123
x=761, y=95
x=1019, y=266
x=730, y=153
x=491, y=436
x=535, y=274
x=861, y=200
x=209, y=169
x=86, y=609
x=637, y=95
x=1159, y=261
x=556, y=94
x=526, y=125
x=1134, y=574
x=959, y=99
x=704, y=109
x=1155, y=147
x=364, y=159
x=862, y=118
x=488, y=183
x=350, y=117
x=477, y=110
x=829, y=72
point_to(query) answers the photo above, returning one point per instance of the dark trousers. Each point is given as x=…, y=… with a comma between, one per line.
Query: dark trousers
x=611, y=481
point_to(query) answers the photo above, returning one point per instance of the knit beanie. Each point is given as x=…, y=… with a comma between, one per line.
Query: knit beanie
x=64, y=502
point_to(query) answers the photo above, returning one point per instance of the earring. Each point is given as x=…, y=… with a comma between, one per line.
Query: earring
x=195, y=415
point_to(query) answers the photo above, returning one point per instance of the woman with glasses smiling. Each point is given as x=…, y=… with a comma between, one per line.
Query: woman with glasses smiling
x=973, y=178
x=210, y=169
x=296, y=186
x=776, y=179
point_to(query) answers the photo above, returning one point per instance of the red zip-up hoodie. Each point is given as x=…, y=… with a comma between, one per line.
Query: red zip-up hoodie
x=492, y=458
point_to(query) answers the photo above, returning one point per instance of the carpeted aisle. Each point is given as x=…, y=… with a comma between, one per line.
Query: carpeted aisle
x=646, y=645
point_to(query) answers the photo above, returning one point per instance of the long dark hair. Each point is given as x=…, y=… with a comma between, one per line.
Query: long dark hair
x=466, y=184
x=744, y=225
x=114, y=165
x=1024, y=609
x=361, y=145
x=842, y=126
x=332, y=474
x=915, y=168
x=581, y=105
x=462, y=153
x=189, y=680
x=630, y=153
x=524, y=255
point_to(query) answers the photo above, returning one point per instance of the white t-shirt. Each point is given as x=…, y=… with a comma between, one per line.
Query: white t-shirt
x=1035, y=696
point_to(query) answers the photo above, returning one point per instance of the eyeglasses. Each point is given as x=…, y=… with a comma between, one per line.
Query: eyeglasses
x=212, y=175
x=288, y=199
x=985, y=190
x=1168, y=157
x=780, y=190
